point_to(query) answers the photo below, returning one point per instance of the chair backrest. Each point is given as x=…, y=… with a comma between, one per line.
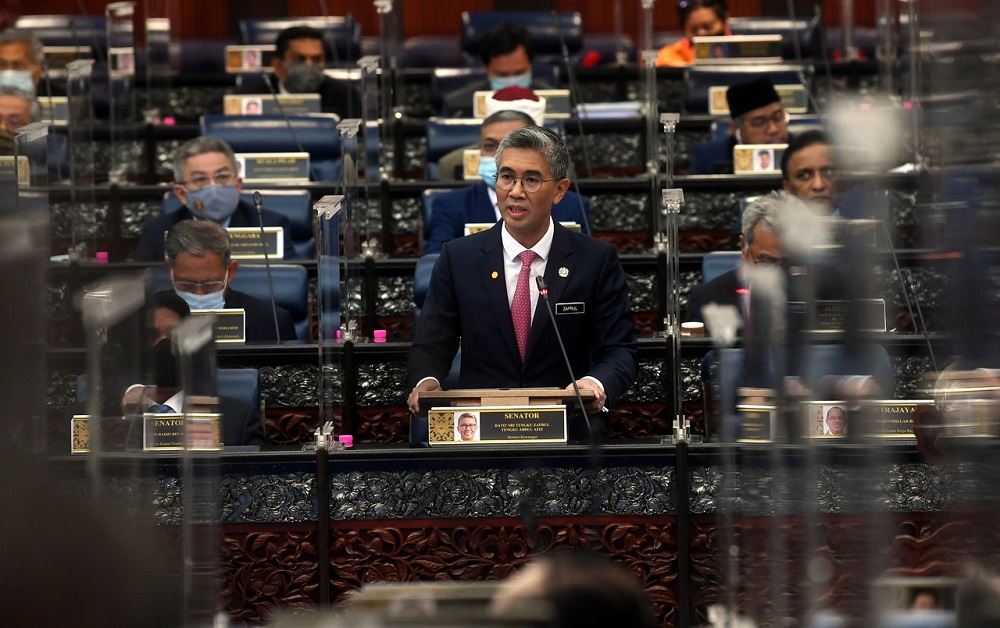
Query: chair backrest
x=698, y=80
x=716, y=263
x=431, y=51
x=445, y=80
x=546, y=35
x=807, y=30
x=341, y=35
x=422, y=280
x=315, y=134
x=291, y=289
x=427, y=199
x=445, y=135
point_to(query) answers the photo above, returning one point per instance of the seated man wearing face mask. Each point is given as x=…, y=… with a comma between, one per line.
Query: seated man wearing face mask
x=198, y=257
x=477, y=203
x=299, y=60
x=17, y=108
x=208, y=183
x=506, y=54
x=21, y=62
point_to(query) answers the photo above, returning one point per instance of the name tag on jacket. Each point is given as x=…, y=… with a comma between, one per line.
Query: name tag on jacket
x=571, y=308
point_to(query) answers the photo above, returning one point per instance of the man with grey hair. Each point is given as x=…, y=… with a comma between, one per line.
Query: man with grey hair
x=198, y=255
x=208, y=182
x=759, y=244
x=17, y=108
x=483, y=293
x=21, y=60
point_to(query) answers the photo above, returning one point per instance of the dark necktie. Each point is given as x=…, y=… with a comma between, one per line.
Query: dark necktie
x=520, y=307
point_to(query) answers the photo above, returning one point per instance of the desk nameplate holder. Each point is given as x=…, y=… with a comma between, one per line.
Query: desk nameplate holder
x=246, y=59
x=284, y=167
x=794, y=99
x=749, y=159
x=271, y=105
x=557, y=103
x=230, y=324
x=246, y=242
x=161, y=432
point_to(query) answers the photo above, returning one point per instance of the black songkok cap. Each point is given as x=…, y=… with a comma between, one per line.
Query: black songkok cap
x=745, y=97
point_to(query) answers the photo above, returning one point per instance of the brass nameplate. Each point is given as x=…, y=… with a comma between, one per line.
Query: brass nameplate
x=832, y=315
x=230, y=324
x=58, y=57
x=170, y=432
x=246, y=242
x=497, y=424
x=726, y=49
x=249, y=59
x=794, y=99
x=271, y=105
x=470, y=164
x=557, y=102
x=287, y=167
x=55, y=109
x=11, y=171
x=758, y=158
x=79, y=436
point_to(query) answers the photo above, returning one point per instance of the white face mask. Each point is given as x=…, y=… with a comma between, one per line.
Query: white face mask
x=19, y=79
x=210, y=301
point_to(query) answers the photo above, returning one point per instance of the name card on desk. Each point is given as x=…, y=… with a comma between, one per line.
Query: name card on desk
x=727, y=49
x=286, y=167
x=470, y=164
x=55, y=109
x=249, y=59
x=267, y=104
x=58, y=57
x=794, y=99
x=8, y=171
x=758, y=158
x=170, y=432
x=888, y=418
x=831, y=316
x=230, y=324
x=557, y=102
x=122, y=62
x=79, y=434
x=246, y=242
x=472, y=425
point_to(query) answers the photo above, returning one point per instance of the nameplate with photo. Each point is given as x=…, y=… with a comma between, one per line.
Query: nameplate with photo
x=557, y=102
x=470, y=164
x=230, y=324
x=249, y=243
x=122, y=62
x=869, y=315
x=888, y=418
x=728, y=49
x=271, y=104
x=285, y=167
x=471, y=425
x=55, y=109
x=15, y=172
x=249, y=59
x=794, y=99
x=758, y=159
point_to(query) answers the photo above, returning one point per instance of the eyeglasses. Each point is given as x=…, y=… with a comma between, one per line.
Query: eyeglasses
x=206, y=287
x=763, y=258
x=778, y=118
x=16, y=64
x=530, y=183
x=201, y=180
x=468, y=426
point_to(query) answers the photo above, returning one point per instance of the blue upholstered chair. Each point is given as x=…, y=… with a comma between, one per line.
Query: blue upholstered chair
x=717, y=263
x=427, y=198
x=445, y=135
x=342, y=35
x=806, y=30
x=698, y=80
x=291, y=289
x=68, y=30
x=546, y=36
x=421, y=283
x=315, y=134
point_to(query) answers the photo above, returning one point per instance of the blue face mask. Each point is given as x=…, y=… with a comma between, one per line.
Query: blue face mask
x=521, y=80
x=20, y=79
x=210, y=301
x=214, y=202
x=488, y=170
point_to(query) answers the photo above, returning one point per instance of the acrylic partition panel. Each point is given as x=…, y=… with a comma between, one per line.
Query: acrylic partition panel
x=334, y=319
x=121, y=65
x=85, y=226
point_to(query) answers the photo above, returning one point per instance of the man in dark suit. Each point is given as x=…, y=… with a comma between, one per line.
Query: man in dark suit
x=209, y=184
x=477, y=203
x=299, y=60
x=483, y=293
x=758, y=117
x=201, y=267
x=506, y=54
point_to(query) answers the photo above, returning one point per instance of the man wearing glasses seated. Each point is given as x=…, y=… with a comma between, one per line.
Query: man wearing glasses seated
x=201, y=269
x=757, y=118
x=208, y=183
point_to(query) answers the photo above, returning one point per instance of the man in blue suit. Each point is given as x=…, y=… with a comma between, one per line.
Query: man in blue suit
x=480, y=279
x=208, y=183
x=477, y=203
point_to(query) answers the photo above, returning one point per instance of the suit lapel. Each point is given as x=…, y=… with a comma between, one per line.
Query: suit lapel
x=490, y=269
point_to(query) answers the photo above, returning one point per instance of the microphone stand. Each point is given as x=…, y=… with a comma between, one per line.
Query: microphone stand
x=287, y=120
x=267, y=264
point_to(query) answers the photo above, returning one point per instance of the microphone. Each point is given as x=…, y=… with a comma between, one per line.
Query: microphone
x=287, y=120
x=909, y=288
x=543, y=291
x=267, y=264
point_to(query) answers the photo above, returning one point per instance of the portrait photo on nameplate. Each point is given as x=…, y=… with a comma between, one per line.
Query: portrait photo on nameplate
x=826, y=419
x=504, y=425
x=758, y=159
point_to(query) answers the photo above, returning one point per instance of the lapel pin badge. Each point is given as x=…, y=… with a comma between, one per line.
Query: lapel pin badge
x=495, y=274
x=563, y=272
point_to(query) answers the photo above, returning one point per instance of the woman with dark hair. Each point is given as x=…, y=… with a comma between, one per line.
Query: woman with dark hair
x=699, y=18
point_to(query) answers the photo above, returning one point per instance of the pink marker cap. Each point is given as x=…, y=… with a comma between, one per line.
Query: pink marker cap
x=379, y=335
x=101, y=257
x=347, y=439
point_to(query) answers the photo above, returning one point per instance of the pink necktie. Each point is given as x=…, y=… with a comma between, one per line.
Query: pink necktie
x=520, y=307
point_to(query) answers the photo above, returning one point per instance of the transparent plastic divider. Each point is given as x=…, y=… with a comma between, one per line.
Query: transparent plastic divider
x=126, y=152
x=84, y=222
x=331, y=312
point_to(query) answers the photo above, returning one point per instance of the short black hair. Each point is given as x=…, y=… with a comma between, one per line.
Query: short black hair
x=686, y=7
x=168, y=299
x=290, y=34
x=503, y=39
x=800, y=142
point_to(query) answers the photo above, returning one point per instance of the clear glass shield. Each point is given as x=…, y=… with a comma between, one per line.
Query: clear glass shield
x=331, y=331
x=80, y=214
x=125, y=151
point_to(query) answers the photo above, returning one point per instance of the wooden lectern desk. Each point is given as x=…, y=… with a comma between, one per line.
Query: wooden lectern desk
x=502, y=397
